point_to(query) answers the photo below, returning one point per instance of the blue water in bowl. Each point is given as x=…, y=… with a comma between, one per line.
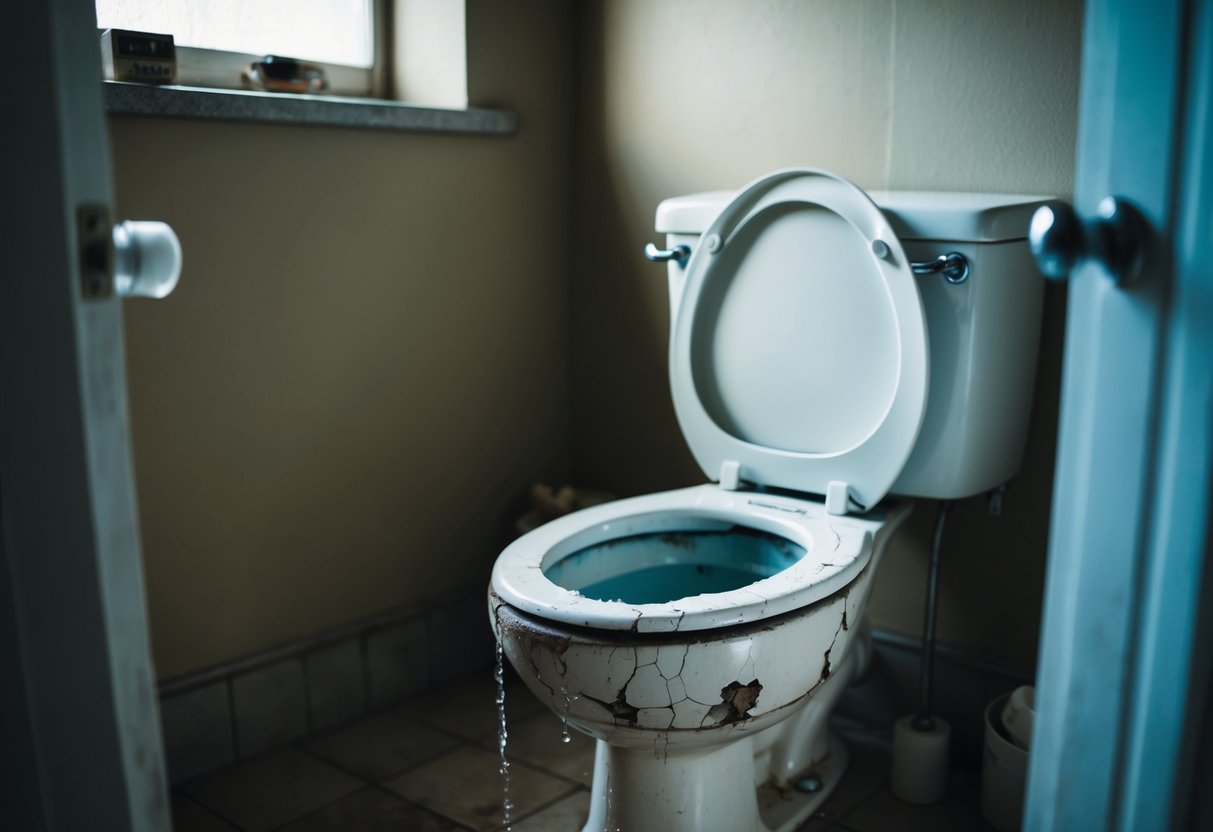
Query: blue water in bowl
x=659, y=584
x=660, y=567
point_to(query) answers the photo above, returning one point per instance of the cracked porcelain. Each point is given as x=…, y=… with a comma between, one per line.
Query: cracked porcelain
x=831, y=552
x=675, y=692
x=703, y=684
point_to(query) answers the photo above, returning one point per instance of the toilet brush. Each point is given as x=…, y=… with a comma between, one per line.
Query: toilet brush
x=921, y=740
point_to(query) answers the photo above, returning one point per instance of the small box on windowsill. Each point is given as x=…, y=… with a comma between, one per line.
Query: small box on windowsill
x=146, y=57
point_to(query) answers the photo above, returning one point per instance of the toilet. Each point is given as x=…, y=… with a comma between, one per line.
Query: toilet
x=833, y=354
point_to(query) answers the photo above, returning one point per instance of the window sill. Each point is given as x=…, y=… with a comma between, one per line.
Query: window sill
x=281, y=108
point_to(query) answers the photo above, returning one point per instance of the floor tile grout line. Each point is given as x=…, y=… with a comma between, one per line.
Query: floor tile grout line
x=574, y=787
x=237, y=759
x=287, y=745
x=349, y=722
x=442, y=729
x=482, y=744
x=296, y=742
x=856, y=804
x=581, y=787
x=214, y=813
x=380, y=786
x=375, y=787
x=489, y=738
x=364, y=781
x=383, y=789
x=315, y=810
x=294, y=747
x=485, y=742
x=533, y=767
x=371, y=781
x=394, y=711
x=212, y=810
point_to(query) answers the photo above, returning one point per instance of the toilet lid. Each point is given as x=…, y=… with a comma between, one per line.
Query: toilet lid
x=799, y=348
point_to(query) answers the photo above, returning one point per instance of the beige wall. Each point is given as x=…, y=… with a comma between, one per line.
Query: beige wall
x=365, y=360
x=367, y=357
x=681, y=96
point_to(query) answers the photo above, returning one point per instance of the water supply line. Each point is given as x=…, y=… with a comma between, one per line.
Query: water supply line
x=925, y=721
x=922, y=740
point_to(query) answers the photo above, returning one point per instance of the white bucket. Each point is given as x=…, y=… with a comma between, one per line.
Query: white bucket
x=1004, y=772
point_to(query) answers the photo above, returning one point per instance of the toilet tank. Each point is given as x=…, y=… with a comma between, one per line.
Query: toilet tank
x=983, y=334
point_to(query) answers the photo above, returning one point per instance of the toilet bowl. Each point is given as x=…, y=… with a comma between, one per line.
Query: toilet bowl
x=675, y=628
x=703, y=635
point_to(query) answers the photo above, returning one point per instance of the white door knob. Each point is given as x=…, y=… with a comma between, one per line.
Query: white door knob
x=147, y=259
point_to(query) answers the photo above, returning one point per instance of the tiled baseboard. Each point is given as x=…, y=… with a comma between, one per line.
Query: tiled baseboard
x=227, y=713
x=240, y=709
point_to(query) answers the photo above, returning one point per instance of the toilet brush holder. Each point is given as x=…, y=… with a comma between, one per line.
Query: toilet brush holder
x=920, y=759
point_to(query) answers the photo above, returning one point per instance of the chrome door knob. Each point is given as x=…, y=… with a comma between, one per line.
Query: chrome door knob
x=147, y=259
x=1116, y=238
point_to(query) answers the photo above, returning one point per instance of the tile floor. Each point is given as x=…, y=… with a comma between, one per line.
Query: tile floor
x=430, y=765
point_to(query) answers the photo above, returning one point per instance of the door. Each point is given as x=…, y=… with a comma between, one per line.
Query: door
x=1129, y=534
x=78, y=713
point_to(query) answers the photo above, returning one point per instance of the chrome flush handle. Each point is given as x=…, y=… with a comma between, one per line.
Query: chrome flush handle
x=679, y=254
x=954, y=267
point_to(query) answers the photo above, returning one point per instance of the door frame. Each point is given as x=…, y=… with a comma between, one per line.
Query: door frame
x=1129, y=534
x=78, y=706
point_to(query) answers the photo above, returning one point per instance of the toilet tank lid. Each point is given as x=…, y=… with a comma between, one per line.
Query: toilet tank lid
x=690, y=214
x=914, y=215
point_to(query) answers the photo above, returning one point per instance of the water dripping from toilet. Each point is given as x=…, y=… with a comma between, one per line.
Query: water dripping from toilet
x=502, y=735
x=610, y=807
x=564, y=711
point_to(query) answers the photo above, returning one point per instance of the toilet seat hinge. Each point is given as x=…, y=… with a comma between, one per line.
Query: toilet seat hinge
x=730, y=475
x=837, y=493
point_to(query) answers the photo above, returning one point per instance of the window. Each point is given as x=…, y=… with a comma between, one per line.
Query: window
x=218, y=40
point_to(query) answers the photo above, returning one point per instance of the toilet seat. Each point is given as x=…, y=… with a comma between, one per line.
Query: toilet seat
x=798, y=360
x=836, y=550
x=798, y=352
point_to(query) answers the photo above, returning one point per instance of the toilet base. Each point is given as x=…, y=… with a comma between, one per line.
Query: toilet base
x=712, y=792
x=785, y=810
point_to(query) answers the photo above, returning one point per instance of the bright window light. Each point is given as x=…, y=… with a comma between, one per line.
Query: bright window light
x=328, y=31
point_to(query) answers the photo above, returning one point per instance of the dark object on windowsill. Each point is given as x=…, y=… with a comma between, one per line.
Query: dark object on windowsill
x=143, y=57
x=276, y=74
